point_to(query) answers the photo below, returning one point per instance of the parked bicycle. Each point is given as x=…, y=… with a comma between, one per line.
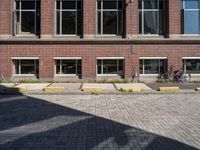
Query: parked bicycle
x=175, y=75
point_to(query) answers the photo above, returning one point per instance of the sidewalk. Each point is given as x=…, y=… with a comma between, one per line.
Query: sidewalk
x=88, y=88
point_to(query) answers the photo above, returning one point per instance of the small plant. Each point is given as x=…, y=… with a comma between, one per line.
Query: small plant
x=30, y=81
x=5, y=81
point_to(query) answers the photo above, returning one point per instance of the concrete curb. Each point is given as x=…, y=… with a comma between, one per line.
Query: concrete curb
x=92, y=90
x=169, y=89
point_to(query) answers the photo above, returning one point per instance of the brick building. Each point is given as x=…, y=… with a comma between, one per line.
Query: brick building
x=98, y=39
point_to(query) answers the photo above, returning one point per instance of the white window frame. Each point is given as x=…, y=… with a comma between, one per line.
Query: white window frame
x=102, y=10
x=185, y=66
x=150, y=10
x=66, y=58
x=20, y=13
x=108, y=58
x=67, y=10
x=35, y=59
x=185, y=10
x=151, y=58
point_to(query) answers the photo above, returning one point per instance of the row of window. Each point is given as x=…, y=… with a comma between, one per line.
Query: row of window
x=104, y=66
x=109, y=17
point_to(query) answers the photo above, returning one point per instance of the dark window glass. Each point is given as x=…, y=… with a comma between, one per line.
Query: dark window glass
x=193, y=66
x=150, y=4
x=109, y=5
x=68, y=4
x=58, y=71
x=69, y=66
x=141, y=66
x=58, y=22
x=99, y=4
x=68, y=22
x=140, y=4
x=28, y=5
x=120, y=5
x=17, y=5
x=58, y=4
x=109, y=22
x=110, y=66
x=79, y=5
x=153, y=66
x=28, y=23
x=110, y=18
x=99, y=22
x=151, y=17
x=151, y=25
x=79, y=68
x=99, y=66
x=27, y=18
x=27, y=66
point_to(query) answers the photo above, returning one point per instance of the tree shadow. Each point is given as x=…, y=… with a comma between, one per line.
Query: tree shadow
x=28, y=123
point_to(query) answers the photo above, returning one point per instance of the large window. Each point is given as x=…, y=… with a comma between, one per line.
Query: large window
x=27, y=17
x=191, y=66
x=109, y=17
x=26, y=67
x=110, y=66
x=68, y=17
x=153, y=66
x=68, y=67
x=151, y=17
x=191, y=17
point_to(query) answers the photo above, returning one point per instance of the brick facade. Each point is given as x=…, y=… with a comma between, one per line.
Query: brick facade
x=89, y=46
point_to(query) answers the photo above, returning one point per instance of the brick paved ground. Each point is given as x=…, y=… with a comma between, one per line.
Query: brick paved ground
x=101, y=122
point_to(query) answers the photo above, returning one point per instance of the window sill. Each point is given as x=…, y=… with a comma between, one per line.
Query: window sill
x=66, y=75
x=108, y=36
x=108, y=75
x=25, y=37
x=24, y=75
x=148, y=75
x=67, y=36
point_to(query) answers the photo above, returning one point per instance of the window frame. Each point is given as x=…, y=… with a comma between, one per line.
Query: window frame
x=20, y=65
x=20, y=10
x=183, y=10
x=60, y=65
x=109, y=10
x=68, y=10
x=102, y=65
x=158, y=17
x=184, y=61
x=151, y=58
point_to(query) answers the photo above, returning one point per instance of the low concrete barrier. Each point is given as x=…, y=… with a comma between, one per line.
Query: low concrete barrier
x=93, y=90
x=134, y=89
x=169, y=89
x=21, y=89
x=198, y=89
x=54, y=89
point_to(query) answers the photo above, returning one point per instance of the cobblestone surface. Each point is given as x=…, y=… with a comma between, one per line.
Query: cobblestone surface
x=100, y=122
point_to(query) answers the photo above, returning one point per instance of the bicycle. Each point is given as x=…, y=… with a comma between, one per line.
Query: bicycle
x=175, y=75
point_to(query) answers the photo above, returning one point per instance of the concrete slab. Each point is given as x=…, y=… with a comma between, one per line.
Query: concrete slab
x=133, y=85
x=106, y=87
x=67, y=86
x=34, y=86
x=3, y=86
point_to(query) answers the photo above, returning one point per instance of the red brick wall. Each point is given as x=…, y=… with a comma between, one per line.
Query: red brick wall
x=5, y=17
x=45, y=52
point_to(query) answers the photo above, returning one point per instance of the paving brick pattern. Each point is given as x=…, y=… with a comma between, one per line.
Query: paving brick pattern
x=100, y=122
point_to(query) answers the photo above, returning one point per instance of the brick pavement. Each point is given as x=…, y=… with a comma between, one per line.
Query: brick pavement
x=100, y=122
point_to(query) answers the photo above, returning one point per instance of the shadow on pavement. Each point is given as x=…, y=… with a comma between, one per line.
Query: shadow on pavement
x=28, y=123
